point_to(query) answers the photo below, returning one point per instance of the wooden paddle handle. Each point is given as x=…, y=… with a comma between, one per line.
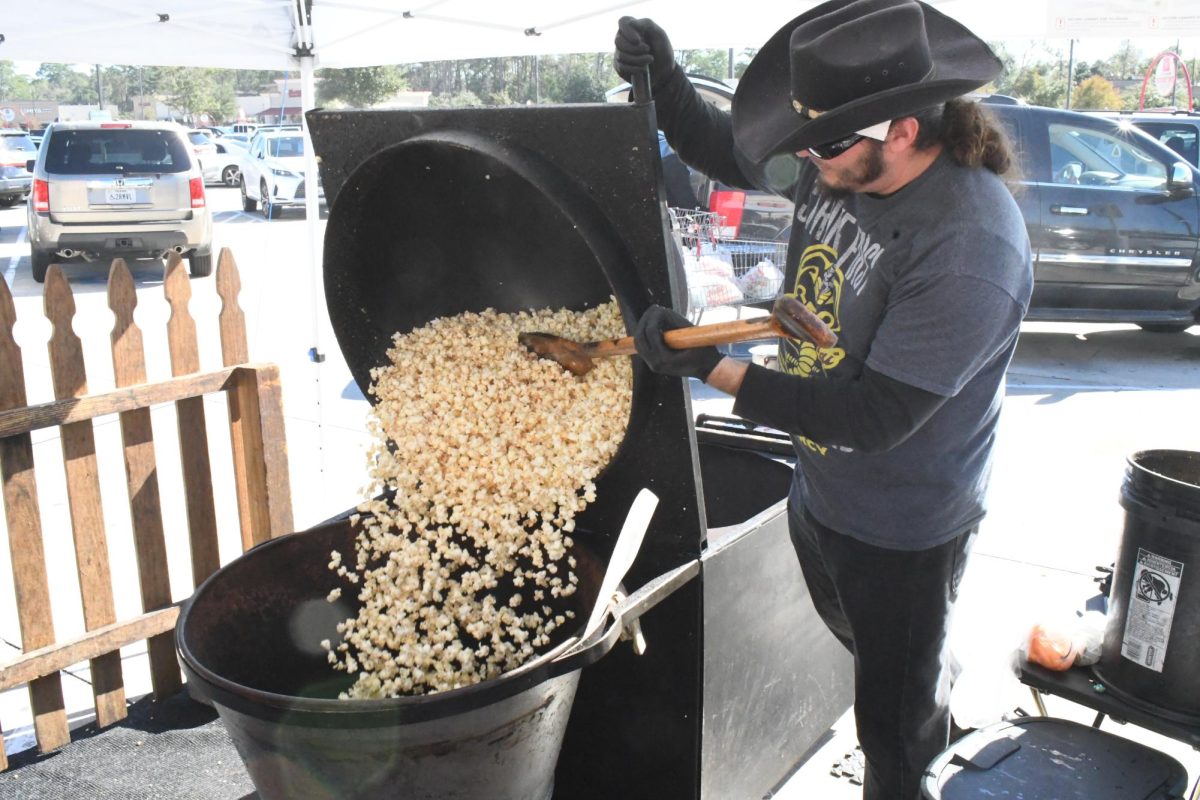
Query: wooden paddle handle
x=695, y=336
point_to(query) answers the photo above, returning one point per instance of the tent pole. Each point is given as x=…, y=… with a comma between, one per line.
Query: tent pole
x=312, y=205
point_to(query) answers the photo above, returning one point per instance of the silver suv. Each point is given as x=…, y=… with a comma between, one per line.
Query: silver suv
x=108, y=189
x=16, y=148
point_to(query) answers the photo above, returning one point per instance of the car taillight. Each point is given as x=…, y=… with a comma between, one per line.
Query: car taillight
x=196, y=185
x=728, y=204
x=41, y=196
x=116, y=125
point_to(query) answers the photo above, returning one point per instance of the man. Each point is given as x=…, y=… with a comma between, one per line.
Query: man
x=908, y=244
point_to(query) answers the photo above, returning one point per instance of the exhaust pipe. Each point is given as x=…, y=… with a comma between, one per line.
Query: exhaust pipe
x=179, y=249
x=68, y=253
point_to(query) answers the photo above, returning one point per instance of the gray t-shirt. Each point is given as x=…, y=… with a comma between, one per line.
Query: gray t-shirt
x=927, y=286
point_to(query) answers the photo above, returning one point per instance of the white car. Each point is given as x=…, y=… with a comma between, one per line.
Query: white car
x=228, y=161
x=273, y=172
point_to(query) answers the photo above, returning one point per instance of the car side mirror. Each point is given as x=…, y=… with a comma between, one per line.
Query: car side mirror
x=30, y=164
x=1180, y=183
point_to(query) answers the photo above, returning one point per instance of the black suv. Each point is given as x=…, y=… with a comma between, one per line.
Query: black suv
x=1113, y=217
x=1112, y=212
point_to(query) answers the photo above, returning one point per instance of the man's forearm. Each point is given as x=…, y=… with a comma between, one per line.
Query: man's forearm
x=728, y=375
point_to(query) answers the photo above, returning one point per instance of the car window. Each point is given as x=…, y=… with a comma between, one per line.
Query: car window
x=18, y=143
x=286, y=147
x=96, y=152
x=1090, y=157
x=1179, y=137
x=197, y=137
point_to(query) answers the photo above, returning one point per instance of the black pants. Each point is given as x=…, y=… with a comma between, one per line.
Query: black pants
x=891, y=609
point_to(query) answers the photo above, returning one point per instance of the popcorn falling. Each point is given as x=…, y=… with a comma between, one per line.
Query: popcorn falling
x=489, y=452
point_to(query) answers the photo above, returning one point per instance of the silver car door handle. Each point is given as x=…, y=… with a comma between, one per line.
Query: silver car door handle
x=1069, y=211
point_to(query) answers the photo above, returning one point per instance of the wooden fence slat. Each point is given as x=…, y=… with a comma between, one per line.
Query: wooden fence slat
x=129, y=367
x=62, y=412
x=235, y=351
x=25, y=540
x=46, y=660
x=193, y=430
x=83, y=496
x=265, y=445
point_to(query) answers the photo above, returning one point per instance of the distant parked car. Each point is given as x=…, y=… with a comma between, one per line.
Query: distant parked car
x=16, y=148
x=206, y=154
x=108, y=189
x=228, y=160
x=273, y=172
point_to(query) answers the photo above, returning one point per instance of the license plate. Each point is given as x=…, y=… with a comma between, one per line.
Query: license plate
x=114, y=196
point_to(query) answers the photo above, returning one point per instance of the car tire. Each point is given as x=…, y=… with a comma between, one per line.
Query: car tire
x=248, y=202
x=268, y=208
x=1165, y=327
x=39, y=262
x=231, y=175
x=200, y=266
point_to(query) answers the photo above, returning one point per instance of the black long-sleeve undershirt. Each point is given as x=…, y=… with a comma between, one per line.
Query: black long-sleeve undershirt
x=871, y=413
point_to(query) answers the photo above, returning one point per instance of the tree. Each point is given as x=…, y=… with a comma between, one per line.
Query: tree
x=1096, y=93
x=360, y=86
x=66, y=84
x=196, y=92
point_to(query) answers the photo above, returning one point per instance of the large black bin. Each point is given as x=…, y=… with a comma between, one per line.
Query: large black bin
x=250, y=643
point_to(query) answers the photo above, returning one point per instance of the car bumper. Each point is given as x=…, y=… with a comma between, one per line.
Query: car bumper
x=290, y=192
x=15, y=187
x=121, y=240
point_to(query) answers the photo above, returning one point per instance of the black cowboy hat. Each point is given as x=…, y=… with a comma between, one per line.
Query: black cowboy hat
x=848, y=64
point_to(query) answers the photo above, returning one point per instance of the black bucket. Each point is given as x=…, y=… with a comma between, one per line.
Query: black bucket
x=249, y=642
x=1152, y=637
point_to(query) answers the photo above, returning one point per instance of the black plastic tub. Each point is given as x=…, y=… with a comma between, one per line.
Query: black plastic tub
x=249, y=641
x=1152, y=637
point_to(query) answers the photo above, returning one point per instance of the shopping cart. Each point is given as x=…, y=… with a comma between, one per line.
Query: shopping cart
x=722, y=271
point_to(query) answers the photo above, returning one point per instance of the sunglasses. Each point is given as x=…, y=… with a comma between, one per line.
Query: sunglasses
x=838, y=146
x=835, y=148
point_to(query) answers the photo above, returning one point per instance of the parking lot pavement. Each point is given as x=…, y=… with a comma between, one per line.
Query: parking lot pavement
x=1081, y=398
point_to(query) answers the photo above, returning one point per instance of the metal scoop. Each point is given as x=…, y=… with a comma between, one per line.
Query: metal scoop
x=789, y=318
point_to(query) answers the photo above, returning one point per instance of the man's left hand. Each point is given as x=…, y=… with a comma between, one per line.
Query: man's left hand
x=694, y=362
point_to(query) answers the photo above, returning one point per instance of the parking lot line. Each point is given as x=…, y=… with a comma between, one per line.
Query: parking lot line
x=10, y=274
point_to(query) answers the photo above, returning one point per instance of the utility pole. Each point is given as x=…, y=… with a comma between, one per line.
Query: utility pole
x=1070, y=71
x=99, y=89
x=730, y=75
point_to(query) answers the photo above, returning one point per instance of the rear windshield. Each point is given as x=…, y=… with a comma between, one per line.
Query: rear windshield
x=197, y=137
x=98, y=152
x=22, y=143
x=286, y=147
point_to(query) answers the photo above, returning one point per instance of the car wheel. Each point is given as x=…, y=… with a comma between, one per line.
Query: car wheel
x=1164, y=327
x=39, y=261
x=200, y=266
x=230, y=175
x=268, y=208
x=248, y=202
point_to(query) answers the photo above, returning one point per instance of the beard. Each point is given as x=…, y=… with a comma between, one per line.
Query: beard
x=848, y=180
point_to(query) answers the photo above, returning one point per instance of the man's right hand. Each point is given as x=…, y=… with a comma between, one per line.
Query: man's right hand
x=641, y=43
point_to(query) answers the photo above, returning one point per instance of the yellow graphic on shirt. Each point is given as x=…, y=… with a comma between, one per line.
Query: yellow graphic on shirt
x=818, y=285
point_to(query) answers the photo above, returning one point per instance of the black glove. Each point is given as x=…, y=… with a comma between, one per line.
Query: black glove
x=641, y=43
x=694, y=362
